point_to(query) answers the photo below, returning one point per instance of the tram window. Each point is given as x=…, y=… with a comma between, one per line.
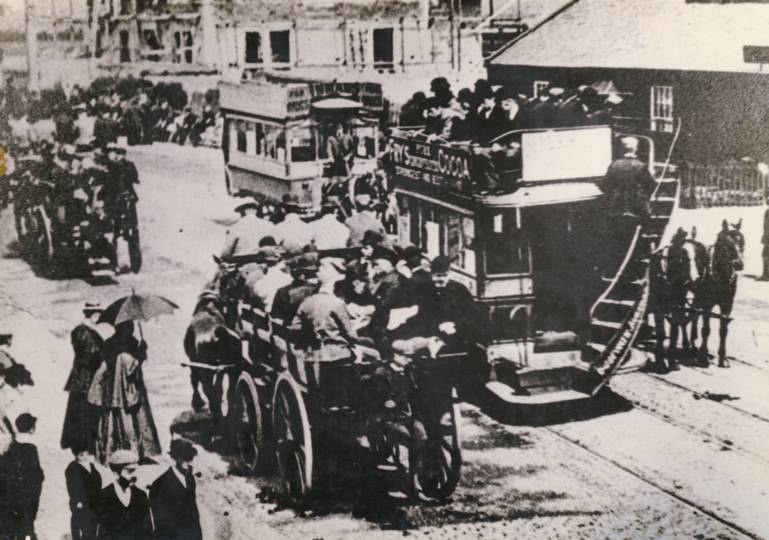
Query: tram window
x=302, y=144
x=507, y=248
x=242, y=144
x=365, y=138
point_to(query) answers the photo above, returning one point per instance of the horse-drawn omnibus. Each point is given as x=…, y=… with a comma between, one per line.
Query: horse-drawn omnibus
x=530, y=251
x=276, y=133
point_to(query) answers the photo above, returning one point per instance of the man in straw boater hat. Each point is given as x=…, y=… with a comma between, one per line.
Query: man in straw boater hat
x=79, y=428
x=173, y=497
x=123, y=509
x=244, y=236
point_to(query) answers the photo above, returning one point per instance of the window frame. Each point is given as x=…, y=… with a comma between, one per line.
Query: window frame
x=537, y=87
x=661, y=107
x=486, y=234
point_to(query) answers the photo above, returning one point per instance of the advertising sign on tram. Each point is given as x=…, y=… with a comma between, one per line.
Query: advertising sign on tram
x=432, y=163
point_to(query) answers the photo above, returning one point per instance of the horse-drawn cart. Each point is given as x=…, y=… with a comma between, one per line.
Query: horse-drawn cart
x=279, y=399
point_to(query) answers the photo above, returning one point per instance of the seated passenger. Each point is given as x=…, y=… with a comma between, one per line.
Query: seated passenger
x=497, y=167
x=573, y=111
x=361, y=303
x=304, y=271
x=323, y=318
x=292, y=233
x=329, y=231
x=412, y=113
x=448, y=318
x=244, y=236
x=275, y=276
x=364, y=220
x=544, y=114
x=506, y=115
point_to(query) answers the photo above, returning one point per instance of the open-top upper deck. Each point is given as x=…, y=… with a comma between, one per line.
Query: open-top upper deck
x=521, y=168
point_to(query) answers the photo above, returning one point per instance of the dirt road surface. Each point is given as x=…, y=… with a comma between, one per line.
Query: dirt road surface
x=682, y=455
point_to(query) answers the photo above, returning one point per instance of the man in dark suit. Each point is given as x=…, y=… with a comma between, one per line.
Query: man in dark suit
x=628, y=184
x=22, y=480
x=172, y=497
x=83, y=487
x=544, y=114
x=123, y=509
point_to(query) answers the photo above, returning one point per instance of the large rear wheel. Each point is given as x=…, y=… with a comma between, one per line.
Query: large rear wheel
x=247, y=423
x=293, y=439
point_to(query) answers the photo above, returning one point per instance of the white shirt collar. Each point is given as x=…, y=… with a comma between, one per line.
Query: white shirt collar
x=180, y=476
x=123, y=496
x=23, y=438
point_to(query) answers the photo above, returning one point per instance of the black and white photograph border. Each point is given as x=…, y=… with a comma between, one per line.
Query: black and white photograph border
x=381, y=268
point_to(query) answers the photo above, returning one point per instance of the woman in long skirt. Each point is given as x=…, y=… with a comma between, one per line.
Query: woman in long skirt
x=125, y=421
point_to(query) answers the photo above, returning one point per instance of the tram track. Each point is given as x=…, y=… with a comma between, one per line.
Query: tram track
x=704, y=396
x=650, y=482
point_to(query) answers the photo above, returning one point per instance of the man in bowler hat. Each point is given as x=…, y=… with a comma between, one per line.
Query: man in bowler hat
x=172, y=497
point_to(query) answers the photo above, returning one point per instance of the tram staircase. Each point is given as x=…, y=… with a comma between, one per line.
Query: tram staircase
x=616, y=319
x=619, y=313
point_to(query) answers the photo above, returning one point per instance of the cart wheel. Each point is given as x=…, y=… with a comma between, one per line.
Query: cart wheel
x=247, y=424
x=293, y=440
x=135, y=250
x=436, y=472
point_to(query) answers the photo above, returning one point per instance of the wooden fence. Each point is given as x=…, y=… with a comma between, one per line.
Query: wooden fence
x=725, y=184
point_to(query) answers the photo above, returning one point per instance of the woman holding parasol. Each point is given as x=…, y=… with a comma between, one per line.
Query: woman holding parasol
x=125, y=419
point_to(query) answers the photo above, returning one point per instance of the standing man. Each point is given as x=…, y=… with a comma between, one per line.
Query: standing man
x=173, y=497
x=23, y=480
x=244, y=236
x=80, y=418
x=83, y=487
x=123, y=509
x=765, y=242
x=364, y=220
x=628, y=184
x=340, y=147
x=678, y=278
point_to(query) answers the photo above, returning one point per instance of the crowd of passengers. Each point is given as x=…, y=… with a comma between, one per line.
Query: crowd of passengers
x=478, y=119
x=344, y=286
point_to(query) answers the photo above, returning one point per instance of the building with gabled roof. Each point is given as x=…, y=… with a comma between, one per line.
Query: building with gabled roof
x=704, y=63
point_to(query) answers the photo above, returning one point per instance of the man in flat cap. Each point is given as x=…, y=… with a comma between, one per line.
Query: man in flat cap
x=80, y=418
x=22, y=480
x=304, y=271
x=323, y=318
x=123, y=509
x=244, y=236
x=173, y=497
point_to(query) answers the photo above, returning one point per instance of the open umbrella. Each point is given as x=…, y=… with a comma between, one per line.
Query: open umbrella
x=137, y=307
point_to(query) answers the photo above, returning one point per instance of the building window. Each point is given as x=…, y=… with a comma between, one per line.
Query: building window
x=125, y=51
x=539, y=88
x=662, y=108
x=183, y=47
x=383, y=47
x=254, y=54
x=280, y=46
x=125, y=7
x=153, y=49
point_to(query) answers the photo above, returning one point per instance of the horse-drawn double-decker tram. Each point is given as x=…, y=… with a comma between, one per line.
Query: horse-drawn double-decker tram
x=524, y=225
x=277, y=131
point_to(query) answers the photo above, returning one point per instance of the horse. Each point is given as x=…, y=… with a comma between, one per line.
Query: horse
x=716, y=286
x=209, y=341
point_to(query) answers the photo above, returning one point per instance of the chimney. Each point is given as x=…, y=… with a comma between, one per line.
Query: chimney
x=209, y=43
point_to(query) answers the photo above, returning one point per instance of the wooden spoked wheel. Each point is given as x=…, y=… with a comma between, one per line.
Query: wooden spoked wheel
x=248, y=426
x=436, y=467
x=293, y=439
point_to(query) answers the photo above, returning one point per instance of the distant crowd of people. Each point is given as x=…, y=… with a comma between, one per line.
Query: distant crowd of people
x=104, y=112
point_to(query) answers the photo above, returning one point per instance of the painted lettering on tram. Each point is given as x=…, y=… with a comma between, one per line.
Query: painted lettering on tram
x=430, y=158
